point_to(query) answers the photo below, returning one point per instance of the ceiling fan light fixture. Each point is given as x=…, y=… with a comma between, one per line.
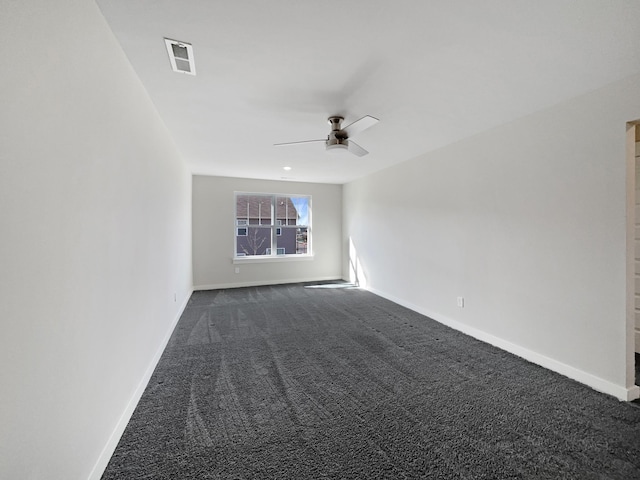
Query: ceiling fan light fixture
x=338, y=148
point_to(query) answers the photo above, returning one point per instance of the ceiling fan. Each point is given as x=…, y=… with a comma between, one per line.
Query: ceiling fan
x=339, y=138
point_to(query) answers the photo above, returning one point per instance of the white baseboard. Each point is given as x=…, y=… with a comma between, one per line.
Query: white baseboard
x=112, y=443
x=597, y=383
x=253, y=283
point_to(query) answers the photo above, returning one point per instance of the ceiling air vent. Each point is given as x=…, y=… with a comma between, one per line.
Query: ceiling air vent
x=181, y=56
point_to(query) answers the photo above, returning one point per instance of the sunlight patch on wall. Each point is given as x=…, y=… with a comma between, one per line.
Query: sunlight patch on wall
x=356, y=271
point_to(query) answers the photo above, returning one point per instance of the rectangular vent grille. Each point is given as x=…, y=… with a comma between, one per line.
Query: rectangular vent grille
x=180, y=56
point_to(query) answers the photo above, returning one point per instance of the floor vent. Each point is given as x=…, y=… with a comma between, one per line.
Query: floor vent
x=181, y=56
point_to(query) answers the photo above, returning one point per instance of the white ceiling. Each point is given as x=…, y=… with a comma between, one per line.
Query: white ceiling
x=433, y=71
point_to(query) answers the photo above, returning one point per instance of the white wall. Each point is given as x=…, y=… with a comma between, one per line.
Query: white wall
x=527, y=223
x=213, y=234
x=636, y=240
x=95, y=215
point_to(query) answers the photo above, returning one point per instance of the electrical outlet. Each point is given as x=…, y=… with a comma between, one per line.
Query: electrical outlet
x=461, y=302
x=237, y=269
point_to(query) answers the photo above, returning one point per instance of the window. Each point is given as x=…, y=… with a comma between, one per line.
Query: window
x=242, y=231
x=270, y=225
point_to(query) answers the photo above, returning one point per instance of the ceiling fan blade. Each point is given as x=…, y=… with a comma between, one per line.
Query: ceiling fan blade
x=298, y=143
x=356, y=149
x=360, y=125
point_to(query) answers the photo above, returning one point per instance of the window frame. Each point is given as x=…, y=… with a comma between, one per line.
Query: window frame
x=276, y=226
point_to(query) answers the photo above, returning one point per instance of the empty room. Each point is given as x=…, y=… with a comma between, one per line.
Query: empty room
x=302, y=240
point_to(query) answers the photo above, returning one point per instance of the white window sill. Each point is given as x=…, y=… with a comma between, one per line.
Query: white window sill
x=271, y=259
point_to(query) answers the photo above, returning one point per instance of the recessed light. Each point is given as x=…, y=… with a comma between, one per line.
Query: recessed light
x=286, y=168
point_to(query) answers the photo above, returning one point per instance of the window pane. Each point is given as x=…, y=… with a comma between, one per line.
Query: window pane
x=284, y=210
x=293, y=240
x=301, y=204
x=302, y=240
x=256, y=242
x=255, y=209
x=286, y=239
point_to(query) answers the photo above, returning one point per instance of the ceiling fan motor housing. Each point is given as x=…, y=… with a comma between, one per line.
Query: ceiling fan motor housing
x=337, y=140
x=336, y=123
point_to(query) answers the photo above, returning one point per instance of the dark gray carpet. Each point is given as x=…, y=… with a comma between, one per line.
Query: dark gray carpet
x=287, y=382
